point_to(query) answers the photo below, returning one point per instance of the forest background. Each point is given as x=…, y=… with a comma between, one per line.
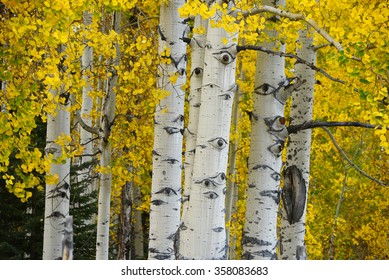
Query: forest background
x=81, y=93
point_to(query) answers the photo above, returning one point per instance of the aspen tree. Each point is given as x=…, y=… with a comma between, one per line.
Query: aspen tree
x=202, y=234
x=58, y=188
x=168, y=134
x=299, y=144
x=103, y=218
x=268, y=135
x=197, y=45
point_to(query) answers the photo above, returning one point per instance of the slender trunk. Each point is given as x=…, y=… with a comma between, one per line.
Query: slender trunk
x=103, y=219
x=125, y=227
x=331, y=251
x=268, y=135
x=86, y=109
x=57, y=194
x=138, y=252
x=299, y=147
x=202, y=233
x=232, y=187
x=197, y=44
x=168, y=131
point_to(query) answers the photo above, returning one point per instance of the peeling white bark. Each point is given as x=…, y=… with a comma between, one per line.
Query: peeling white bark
x=298, y=151
x=168, y=134
x=202, y=234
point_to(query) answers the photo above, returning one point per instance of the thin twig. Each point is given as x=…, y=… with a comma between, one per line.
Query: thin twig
x=340, y=150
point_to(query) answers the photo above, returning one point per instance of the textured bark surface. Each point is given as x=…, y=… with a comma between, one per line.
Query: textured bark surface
x=298, y=151
x=168, y=135
x=104, y=201
x=57, y=195
x=202, y=234
x=197, y=45
x=268, y=135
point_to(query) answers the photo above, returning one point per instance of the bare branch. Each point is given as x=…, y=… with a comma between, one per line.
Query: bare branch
x=290, y=55
x=86, y=127
x=340, y=150
x=293, y=17
x=313, y=124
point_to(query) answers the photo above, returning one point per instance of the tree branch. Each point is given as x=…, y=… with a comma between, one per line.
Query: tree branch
x=290, y=55
x=79, y=118
x=293, y=17
x=340, y=150
x=313, y=124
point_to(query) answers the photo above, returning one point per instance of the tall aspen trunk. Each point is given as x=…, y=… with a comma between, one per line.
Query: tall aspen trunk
x=57, y=195
x=298, y=151
x=103, y=219
x=168, y=134
x=197, y=44
x=268, y=135
x=86, y=109
x=202, y=234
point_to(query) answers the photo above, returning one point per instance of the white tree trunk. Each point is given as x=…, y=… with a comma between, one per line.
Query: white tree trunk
x=86, y=109
x=168, y=134
x=267, y=139
x=103, y=219
x=202, y=234
x=57, y=195
x=298, y=151
x=197, y=44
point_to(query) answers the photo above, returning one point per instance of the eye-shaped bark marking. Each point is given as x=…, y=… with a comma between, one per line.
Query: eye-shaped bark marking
x=226, y=55
x=183, y=227
x=275, y=195
x=171, y=160
x=218, y=143
x=265, y=89
x=226, y=96
x=218, y=229
x=275, y=123
x=211, y=195
x=213, y=181
x=172, y=130
x=277, y=147
x=180, y=118
x=158, y=202
x=198, y=72
x=294, y=194
x=167, y=191
x=275, y=175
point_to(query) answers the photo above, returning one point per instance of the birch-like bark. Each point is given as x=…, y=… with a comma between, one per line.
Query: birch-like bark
x=197, y=44
x=202, y=234
x=168, y=134
x=268, y=135
x=85, y=174
x=232, y=186
x=103, y=218
x=57, y=195
x=298, y=151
